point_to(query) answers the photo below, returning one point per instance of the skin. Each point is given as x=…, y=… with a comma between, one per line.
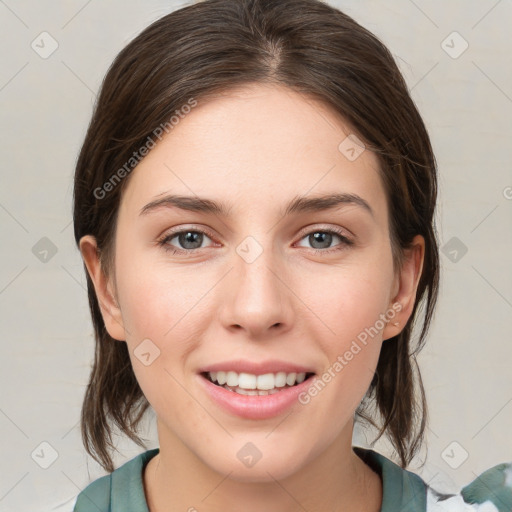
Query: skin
x=255, y=149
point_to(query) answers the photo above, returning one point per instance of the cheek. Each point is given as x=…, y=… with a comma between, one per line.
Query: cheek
x=346, y=301
x=157, y=301
x=160, y=305
x=350, y=303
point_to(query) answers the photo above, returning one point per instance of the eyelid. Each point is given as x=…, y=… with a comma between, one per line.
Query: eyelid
x=191, y=227
x=346, y=241
x=345, y=235
x=319, y=227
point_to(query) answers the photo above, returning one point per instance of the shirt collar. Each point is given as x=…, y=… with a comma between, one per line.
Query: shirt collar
x=402, y=491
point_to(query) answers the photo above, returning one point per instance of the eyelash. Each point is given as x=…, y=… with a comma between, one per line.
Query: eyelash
x=163, y=242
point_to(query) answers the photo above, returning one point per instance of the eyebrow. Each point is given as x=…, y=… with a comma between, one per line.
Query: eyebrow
x=299, y=204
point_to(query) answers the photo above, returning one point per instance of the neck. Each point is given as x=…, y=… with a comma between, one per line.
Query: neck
x=335, y=480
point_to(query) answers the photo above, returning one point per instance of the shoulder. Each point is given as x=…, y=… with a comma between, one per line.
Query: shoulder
x=489, y=492
x=407, y=491
x=121, y=490
x=97, y=495
x=402, y=490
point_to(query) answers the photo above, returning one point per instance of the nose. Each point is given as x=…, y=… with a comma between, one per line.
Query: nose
x=257, y=296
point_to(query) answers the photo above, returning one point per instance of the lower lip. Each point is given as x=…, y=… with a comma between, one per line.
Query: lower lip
x=254, y=407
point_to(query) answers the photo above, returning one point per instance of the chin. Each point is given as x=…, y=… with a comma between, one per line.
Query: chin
x=251, y=465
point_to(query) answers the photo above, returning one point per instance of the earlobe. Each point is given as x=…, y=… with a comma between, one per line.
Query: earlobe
x=406, y=287
x=109, y=306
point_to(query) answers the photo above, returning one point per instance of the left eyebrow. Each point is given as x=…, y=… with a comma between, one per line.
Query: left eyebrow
x=299, y=204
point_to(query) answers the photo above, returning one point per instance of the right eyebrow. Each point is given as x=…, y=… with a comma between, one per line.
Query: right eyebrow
x=299, y=204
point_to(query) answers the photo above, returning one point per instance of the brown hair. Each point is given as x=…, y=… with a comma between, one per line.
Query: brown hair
x=214, y=46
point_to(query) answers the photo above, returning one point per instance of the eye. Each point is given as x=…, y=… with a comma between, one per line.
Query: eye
x=190, y=239
x=324, y=238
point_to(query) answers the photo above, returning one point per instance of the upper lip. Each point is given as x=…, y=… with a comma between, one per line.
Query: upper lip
x=256, y=368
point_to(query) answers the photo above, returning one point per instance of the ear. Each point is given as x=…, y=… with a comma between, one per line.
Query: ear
x=109, y=306
x=405, y=287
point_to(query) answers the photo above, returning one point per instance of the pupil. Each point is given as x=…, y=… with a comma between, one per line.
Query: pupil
x=189, y=237
x=319, y=236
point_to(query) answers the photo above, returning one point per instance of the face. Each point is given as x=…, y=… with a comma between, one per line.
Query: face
x=254, y=289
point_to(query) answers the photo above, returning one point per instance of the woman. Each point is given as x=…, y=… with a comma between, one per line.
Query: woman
x=254, y=203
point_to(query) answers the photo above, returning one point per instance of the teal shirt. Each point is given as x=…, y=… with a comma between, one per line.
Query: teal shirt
x=403, y=491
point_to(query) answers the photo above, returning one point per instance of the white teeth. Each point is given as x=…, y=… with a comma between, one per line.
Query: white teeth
x=266, y=382
x=250, y=384
x=290, y=379
x=242, y=391
x=280, y=380
x=300, y=377
x=232, y=379
x=247, y=381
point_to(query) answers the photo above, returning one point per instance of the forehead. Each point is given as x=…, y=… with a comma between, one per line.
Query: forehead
x=255, y=147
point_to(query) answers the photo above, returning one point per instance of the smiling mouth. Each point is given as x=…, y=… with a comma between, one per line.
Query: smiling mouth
x=250, y=384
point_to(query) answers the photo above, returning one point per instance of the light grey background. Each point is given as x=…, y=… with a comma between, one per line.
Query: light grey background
x=47, y=344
